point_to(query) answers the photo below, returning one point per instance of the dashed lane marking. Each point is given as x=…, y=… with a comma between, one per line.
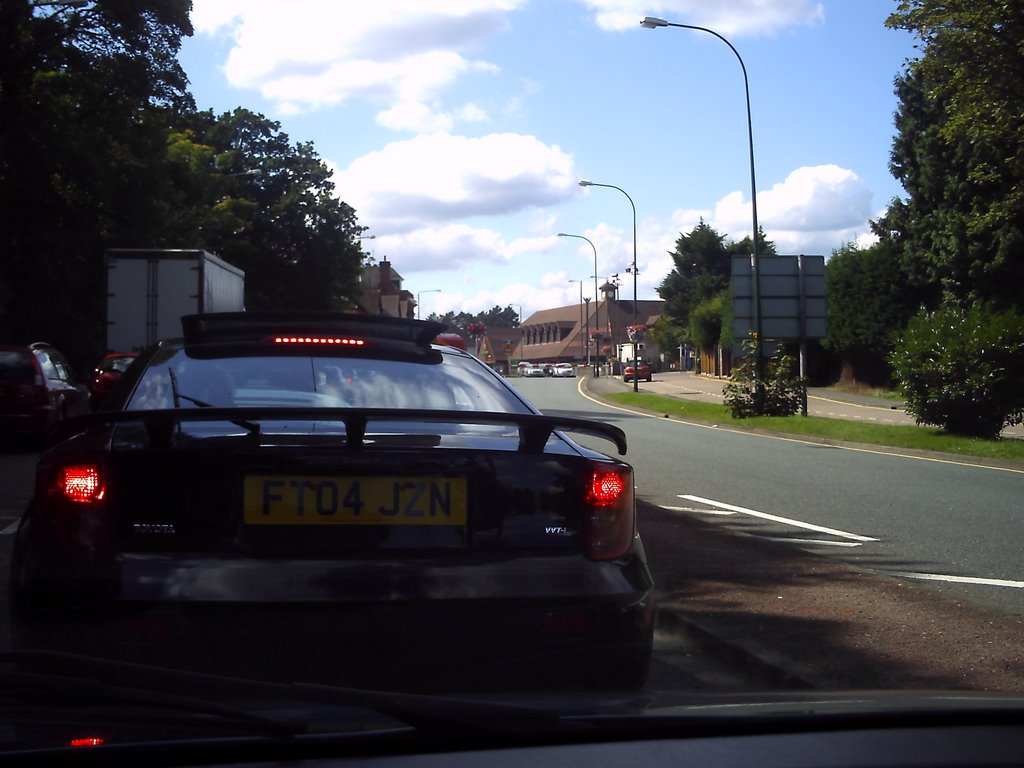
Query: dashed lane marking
x=778, y=519
x=823, y=542
x=700, y=510
x=955, y=579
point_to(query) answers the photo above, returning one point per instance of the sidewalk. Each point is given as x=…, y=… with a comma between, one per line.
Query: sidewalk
x=821, y=401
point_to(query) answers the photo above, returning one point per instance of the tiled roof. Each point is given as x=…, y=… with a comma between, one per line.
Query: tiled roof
x=558, y=334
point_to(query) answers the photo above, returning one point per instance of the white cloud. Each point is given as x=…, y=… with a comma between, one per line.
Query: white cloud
x=815, y=210
x=414, y=116
x=447, y=248
x=312, y=53
x=439, y=178
x=472, y=113
x=742, y=18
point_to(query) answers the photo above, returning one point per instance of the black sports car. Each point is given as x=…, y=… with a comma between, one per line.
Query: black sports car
x=334, y=497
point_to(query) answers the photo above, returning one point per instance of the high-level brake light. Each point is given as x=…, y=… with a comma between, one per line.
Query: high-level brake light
x=325, y=340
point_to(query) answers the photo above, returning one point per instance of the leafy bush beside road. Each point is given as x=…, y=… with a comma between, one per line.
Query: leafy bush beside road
x=961, y=369
x=783, y=391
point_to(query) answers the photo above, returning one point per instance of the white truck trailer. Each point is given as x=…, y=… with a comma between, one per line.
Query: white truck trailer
x=148, y=291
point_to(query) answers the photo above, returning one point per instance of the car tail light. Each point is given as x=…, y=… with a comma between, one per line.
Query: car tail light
x=81, y=483
x=605, y=488
x=87, y=741
x=320, y=340
x=610, y=513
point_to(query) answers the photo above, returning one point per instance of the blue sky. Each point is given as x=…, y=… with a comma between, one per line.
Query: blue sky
x=459, y=130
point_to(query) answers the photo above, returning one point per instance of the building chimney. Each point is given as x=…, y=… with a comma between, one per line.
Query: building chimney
x=387, y=287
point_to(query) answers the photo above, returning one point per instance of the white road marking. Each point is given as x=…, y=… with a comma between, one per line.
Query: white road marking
x=955, y=579
x=700, y=510
x=825, y=542
x=778, y=519
x=10, y=529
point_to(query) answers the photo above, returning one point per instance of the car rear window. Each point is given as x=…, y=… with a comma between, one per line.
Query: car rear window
x=17, y=367
x=458, y=383
x=118, y=364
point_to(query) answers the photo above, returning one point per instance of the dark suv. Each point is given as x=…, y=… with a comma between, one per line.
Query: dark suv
x=38, y=388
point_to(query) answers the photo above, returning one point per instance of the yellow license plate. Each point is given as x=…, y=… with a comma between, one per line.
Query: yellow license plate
x=301, y=500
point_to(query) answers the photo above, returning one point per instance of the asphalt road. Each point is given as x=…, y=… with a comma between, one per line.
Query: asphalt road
x=952, y=525
x=798, y=564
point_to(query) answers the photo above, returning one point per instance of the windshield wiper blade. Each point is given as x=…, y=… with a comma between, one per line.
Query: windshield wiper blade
x=176, y=397
x=427, y=713
x=34, y=697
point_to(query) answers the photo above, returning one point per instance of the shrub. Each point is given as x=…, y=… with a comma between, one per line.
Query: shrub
x=783, y=390
x=963, y=369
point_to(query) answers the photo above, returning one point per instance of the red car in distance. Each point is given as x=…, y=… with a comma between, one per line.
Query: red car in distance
x=643, y=371
x=107, y=373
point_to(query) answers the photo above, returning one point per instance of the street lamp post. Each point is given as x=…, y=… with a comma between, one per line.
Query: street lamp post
x=587, y=301
x=420, y=293
x=650, y=22
x=585, y=183
x=582, y=340
x=597, y=301
x=365, y=237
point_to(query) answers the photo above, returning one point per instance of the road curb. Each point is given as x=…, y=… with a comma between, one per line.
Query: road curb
x=703, y=636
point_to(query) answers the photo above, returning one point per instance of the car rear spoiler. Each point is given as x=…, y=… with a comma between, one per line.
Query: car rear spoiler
x=534, y=429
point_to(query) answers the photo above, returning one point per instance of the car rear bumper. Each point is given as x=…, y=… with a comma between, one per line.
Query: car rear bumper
x=526, y=623
x=461, y=645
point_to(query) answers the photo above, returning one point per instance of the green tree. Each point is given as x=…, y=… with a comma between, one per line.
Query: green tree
x=266, y=205
x=959, y=150
x=703, y=269
x=86, y=94
x=706, y=320
x=500, y=317
x=669, y=334
x=869, y=303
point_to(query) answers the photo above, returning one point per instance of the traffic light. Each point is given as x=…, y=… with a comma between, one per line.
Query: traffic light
x=476, y=330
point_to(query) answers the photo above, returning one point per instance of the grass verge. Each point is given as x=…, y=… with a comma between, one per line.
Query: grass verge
x=895, y=436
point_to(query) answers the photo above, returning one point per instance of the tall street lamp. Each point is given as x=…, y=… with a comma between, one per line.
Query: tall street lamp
x=650, y=22
x=597, y=301
x=365, y=237
x=420, y=293
x=585, y=183
x=587, y=300
x=582, y=340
